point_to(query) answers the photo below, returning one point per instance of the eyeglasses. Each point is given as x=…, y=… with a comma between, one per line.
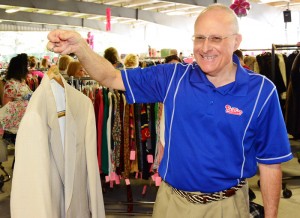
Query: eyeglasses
x=212, y=38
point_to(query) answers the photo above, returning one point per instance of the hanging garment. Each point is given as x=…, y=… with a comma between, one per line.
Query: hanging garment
x=99, y=109
x=292, y=106
x=49, y=182
x=104, y=152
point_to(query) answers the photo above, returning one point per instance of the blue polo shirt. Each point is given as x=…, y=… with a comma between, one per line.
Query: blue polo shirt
x=213, y=136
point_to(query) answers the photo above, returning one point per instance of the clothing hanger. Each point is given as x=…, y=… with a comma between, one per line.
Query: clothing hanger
x=53, y=73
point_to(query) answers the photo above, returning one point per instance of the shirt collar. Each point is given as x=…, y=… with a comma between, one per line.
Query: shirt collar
x=240, y=86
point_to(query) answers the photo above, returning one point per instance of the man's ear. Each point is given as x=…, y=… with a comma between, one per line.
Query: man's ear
x=238, y=40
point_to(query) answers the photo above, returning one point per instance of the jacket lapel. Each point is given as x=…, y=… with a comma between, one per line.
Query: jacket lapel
x=70, y=146
x=55, y=136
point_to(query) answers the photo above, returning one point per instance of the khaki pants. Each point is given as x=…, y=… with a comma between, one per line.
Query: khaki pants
x=170, y=205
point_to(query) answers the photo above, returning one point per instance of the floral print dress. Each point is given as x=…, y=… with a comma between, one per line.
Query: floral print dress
x=12, y=113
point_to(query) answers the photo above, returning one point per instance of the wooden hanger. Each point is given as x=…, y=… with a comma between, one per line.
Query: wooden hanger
x=53, y=73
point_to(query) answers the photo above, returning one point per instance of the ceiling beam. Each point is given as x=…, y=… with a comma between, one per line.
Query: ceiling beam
x=49, y=19
x=178, y=22
x=89, y=7
x=58, y=22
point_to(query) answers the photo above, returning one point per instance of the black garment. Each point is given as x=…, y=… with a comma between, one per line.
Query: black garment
x=292, y=106
x=9, y=137
x=289, y=63
x=265, y=68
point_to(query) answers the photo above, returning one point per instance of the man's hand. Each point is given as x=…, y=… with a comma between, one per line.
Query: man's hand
x=64, y=41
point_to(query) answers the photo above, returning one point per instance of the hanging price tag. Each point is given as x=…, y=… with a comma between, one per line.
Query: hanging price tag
x=132, y=155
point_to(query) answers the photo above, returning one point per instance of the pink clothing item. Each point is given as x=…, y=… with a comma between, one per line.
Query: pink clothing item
x=37, y=73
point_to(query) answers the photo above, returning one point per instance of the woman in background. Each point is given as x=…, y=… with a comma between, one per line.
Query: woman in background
x=75, y=69
x=63, y=63
x=16, y=93
x=45, y=65
x=32, y=68
x=111, y=54
x=131, y=61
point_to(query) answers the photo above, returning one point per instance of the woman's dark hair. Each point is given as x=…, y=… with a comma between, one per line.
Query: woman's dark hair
x=239, y=53
x=18, y=67
x=170, y=58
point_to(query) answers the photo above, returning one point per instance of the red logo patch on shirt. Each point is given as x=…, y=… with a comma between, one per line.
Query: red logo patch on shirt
x=233, y=110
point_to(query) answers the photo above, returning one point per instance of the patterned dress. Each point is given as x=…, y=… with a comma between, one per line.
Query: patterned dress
x=12, y=112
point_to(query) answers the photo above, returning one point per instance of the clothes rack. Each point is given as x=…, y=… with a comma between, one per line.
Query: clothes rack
x=276, y=47
x=286, y=192
x=281, y=47
x=273, y=49
x=115, y=205
x=256, y=49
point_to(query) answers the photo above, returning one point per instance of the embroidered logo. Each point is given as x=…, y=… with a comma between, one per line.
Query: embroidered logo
x=233, y=110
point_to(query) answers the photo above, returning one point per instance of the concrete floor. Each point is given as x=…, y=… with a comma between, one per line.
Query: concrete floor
x=289, y=207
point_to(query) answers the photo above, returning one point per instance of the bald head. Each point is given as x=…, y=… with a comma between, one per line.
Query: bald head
x=222, y=13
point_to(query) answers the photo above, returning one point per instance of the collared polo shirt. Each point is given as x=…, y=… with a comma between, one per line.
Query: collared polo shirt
x=213, y=136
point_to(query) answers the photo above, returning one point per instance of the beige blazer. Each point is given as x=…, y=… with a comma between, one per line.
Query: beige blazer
x=47, y=181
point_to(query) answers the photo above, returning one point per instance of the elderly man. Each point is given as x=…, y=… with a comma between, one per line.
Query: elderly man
x=220, y=120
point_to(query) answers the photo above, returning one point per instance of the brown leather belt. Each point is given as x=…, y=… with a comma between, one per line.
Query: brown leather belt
x=208, y=198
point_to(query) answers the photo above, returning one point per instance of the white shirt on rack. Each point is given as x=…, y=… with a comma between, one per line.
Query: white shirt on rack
x=60, y=99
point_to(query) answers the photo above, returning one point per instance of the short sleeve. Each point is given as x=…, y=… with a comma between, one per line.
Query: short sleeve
x=272, y=144
x=10, y=90
x=149, y=84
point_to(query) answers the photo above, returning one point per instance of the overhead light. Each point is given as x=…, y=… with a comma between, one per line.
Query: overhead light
x=41, y=10
x=78, y=15
x=270, y=1
x=60, y=13
x=95, y=17
x=12, y=10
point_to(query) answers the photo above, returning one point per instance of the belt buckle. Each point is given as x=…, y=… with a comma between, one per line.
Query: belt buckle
x=229, y=193
x=204, y=200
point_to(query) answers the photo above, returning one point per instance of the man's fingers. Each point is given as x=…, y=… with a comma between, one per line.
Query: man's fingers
x=50, y=46
x=61, y=41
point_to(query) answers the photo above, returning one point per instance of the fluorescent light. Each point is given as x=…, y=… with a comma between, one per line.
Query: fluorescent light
x=12, y=10
x=41, y=10
x=78, y=15
x=60, y=13
x=271, y=1
x=95, y=17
